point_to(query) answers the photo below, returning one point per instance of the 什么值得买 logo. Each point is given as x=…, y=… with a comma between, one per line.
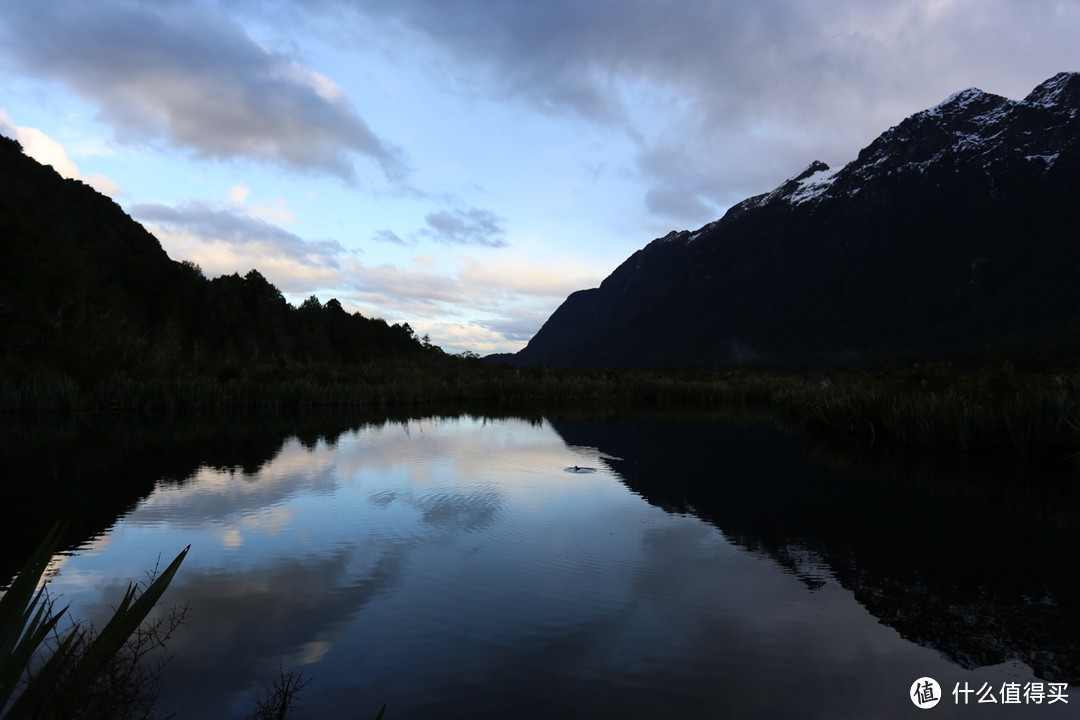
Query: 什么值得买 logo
x=925, y=693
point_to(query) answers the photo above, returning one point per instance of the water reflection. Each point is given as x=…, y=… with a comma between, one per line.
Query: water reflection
x=88, y=470
x=243, y=622
x=453, y=567
x=981, y=585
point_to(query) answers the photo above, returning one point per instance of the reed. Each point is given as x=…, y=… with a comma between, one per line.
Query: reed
x=1002, y=412
x=41, y=392
x=995, y=409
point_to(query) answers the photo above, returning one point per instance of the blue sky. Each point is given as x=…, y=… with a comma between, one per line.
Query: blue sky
x=464, y=165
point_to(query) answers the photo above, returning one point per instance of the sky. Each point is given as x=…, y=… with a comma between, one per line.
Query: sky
x=464, y=165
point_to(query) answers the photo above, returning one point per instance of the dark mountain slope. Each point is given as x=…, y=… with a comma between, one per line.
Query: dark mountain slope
x=954, y=235
x=87, y=292
x=68, y=251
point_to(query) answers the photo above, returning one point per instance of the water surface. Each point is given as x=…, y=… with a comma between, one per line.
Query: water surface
x=464, y=566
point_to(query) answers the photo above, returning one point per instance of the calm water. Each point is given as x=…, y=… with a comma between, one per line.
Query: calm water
x=461, y=567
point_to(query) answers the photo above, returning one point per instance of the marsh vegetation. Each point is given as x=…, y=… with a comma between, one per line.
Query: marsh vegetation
x=996, y=409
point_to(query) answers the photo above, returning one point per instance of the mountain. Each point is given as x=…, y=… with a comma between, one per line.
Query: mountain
x=954, y=235
x=88, y=293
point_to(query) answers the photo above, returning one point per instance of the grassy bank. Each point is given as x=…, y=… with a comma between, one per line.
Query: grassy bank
x=998, y=411
x=373, y=385
x=995, y=410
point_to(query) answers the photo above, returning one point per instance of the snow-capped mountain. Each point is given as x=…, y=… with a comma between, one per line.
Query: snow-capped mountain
x=954, y=234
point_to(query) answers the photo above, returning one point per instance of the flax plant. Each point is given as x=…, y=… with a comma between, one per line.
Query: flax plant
x=27, y=619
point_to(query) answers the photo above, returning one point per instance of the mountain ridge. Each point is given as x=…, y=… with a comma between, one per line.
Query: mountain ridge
x=89, y=294
x=949, y=236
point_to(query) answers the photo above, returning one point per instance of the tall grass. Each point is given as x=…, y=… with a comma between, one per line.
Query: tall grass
x=1000, y=411
x=996, y=409
x=40, y=392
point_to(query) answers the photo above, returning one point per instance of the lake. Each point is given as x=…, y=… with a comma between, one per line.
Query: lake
x=592, y=564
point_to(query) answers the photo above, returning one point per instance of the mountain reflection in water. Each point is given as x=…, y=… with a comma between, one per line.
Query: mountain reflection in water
x=981, y=587
x=464, y=566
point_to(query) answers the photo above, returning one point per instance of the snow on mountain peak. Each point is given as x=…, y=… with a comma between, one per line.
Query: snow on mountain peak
x=981, y=108
x=957, y=101
x=1062, y=89
x=971, y=126
x=812, y=183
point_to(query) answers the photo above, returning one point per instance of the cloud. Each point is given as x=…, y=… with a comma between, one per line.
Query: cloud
x=387, y=236
x=738, y=60
x=483, y=308
x=465, y=227
x=190, y=75
x=47, y=151
x=421, y=291
x=746, y=92
x=276, y=209
x=585, y=59
x=233, y=227
x=224, y=240
x=518, y=328
x=683, y=189
x=676, y=200
x=472, y=226
x=536, y=281
x=482, y=339
x=473, y=286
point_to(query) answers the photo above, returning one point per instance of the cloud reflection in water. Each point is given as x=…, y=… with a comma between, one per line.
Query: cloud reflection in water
x=452, y=568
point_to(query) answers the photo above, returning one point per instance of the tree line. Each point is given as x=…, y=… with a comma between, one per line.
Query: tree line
x=88, y=292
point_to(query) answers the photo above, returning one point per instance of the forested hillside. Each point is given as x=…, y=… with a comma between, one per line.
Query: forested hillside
x=87, y=292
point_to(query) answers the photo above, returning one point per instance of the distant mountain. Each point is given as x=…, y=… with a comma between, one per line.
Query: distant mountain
x=954, y=235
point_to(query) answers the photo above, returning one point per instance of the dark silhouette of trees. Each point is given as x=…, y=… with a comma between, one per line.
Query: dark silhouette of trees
x=86, y=291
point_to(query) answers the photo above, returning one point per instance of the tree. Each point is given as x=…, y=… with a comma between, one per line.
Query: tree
x=192, y=269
